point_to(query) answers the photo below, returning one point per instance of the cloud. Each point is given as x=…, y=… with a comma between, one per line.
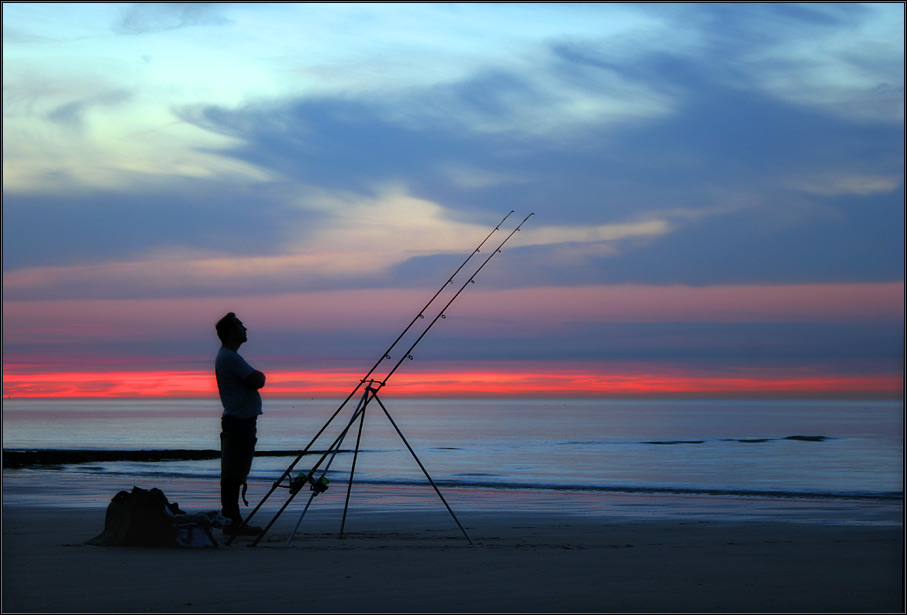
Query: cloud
x=690, y=198
x=650, y=152
x=851, y=325
x=150, y=17
x=467, y=176
x=335, y=239
x=845, y=60
x=594, y=234
x=72, y=114
x=837, y=183
x=544, y=101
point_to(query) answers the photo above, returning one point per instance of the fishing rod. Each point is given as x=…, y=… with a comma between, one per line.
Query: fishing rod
x=384, y=356
x=471, y=280
x=319, y=484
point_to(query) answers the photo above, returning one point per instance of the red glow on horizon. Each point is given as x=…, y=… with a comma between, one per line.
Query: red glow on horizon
x=485, y=383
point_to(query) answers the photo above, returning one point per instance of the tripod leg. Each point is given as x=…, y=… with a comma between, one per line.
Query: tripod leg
x=349, y=487
x=287, y=472
x=336, y=448
x=271, y=522
x=424, y=471
x=299, y=521
x=332, y=452
x=314, y=493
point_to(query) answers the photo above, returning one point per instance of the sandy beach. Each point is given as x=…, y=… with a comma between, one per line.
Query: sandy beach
x=419, y=562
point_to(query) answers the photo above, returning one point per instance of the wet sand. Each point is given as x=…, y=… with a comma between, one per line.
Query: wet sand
x=420, y=562
x=25, y=458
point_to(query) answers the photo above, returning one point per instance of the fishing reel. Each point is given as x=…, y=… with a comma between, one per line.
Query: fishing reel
x=318, y=485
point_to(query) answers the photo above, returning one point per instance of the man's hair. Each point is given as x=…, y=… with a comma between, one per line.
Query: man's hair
x=224, y=325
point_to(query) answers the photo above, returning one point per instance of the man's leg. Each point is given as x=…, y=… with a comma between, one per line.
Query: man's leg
x=237, y=450
x=229, y=500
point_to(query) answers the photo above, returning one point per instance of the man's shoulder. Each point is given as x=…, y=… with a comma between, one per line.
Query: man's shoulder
x=230, y=360
x=226, y=355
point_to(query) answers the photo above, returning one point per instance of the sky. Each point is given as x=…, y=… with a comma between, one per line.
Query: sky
x=717, y=190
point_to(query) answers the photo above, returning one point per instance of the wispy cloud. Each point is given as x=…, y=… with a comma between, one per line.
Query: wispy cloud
x=836, y=183
x=351, y=239
x=143, y=18
x=72, y=114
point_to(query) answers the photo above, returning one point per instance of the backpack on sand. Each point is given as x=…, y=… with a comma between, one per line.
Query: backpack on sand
x=144, y=518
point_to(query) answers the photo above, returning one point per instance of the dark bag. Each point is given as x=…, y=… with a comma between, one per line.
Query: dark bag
x=144, y=518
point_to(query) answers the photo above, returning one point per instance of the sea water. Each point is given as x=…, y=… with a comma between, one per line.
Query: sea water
x=839, y=459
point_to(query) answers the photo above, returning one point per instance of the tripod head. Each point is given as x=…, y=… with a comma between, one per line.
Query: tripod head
x=372, y=386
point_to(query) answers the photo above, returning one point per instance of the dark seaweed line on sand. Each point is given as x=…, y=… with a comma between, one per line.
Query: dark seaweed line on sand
x=26, y=458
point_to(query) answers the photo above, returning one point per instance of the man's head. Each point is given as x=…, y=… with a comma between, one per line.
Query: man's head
x=231, y=331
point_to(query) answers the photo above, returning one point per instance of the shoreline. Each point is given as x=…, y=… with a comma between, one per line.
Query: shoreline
x=93, y=488
x=15, y=458
x=79, y=462
x=419, y=562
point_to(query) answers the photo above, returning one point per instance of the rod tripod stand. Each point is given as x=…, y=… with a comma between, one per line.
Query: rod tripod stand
x=319, y=485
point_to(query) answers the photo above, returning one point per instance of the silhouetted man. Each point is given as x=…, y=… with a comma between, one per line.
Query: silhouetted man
x=238, y=384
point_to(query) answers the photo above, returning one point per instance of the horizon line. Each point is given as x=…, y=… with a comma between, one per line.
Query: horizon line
x=469, y=384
